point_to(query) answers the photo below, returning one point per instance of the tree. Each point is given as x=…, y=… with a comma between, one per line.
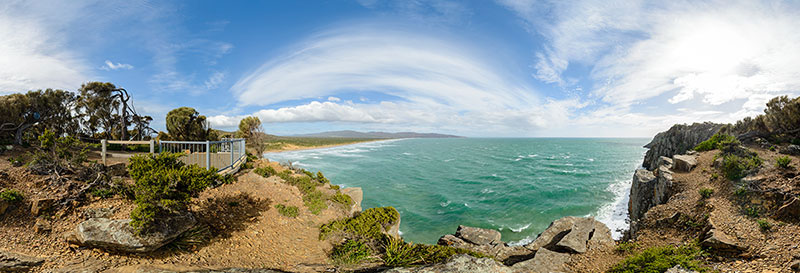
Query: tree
x=250, y=129
x=185, y=123
x=36, y=111
x=104, y=105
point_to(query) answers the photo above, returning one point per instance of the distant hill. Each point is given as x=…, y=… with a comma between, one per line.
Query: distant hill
x=355, y=134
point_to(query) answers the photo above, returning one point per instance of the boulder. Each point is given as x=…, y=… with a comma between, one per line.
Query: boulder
x=574, y=235
x=679, y=139
x=545, y=261
x=679, y=269
x=721, y=242
x=500, y=251
x=41, y=205
x=478, y=236
x=791, y=150
x=118, y=235
x=790, y=209
x=11, y=262
x=684, y=163
x=89, y=213
x=664, y=161
x=457, y=264
x=357, y=195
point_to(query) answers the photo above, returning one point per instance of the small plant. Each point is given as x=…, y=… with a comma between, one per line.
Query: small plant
x=735, y=167
x=713, y=142
x=626, y=247
x=660, y=259
x=350, y=252
x=714, y=176
x=399, y=253
x=764, y=224
x=192, y=238
x=335, y=187
x=772, y=148
x=307, y=173
x=322, y=179
x=11, y=196
x=288, y=211
x=783, y=162
x=342, y=198
x=103, y=193
x=741, y=191
x=706, y=192
x=751, y=211
x=266, y=171
x=368, y=224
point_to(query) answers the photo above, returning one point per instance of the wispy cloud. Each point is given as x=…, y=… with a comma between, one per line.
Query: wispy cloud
x=109, y=65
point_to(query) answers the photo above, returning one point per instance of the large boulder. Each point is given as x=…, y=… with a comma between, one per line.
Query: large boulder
x=720, y=242
x=478, y=236
x=791, y=150
x=677, y=140
x=684, y=163
x=648, y=190
x=573, y=235
x=489, y=243
x=545, y=261
x=357, y=195
x=457, y=264
x=119, y=235
x=11, y=262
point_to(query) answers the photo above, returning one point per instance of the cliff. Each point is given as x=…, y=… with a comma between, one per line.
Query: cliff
x=677, y=140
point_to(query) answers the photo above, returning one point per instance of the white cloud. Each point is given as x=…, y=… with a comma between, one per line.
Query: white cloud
x=112, y=66
x=334, y=99
x=214, y=80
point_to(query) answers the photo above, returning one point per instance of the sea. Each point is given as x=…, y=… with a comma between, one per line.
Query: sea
x=514, y=185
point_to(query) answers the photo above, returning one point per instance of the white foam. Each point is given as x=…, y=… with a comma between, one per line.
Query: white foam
x=445, y=204
x=524, y=241
x=615, y=214
x=520, y=228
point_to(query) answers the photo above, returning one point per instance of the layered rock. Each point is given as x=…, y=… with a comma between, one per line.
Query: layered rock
x=544, y=261
x=677, y=140
x=120, y=235
x=486, y=241
x=458, y=264
x=684, y=163
x=791, y=150
x=573, y=235
x=11, y=262
x=652, y=188
x=357, y=195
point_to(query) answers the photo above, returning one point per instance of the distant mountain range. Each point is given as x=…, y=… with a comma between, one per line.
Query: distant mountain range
x=378, y=135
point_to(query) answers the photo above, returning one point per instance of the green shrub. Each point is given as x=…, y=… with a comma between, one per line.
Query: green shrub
x=11, y=196
x=783, y=162
x=307, y=173
x=57, y=154
x=322, y=179
x=706, y=192
x=714, y=176
x=343, y=199
x=367, y=224
x=164, y=185
x=315, y=201
x=266, y=171
x=350, y=252
x=772, y=148
x=288, y=211
x=626, y=247
x=103, y=193
x=335, y=187
x=751, y=211
x=399, y=253
x=741, y=191
x=713, y=142
x=764, y=224
x=659, y=259
x=735, y=167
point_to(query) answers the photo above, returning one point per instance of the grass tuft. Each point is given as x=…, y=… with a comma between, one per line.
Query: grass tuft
x=660, y=259
x=288, y=211
x=11, y=196
x=399, y=253
x=706, y=192
x=783, y=162
x=350, y=252
x=764, y=225
x=626, y=247
x=343, y=199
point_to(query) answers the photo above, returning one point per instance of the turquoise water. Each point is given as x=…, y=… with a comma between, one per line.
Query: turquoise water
x=517, y=186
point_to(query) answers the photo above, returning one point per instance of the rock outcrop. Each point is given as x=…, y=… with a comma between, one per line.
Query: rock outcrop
x=679, y=269
x=720, y=242
x=684, y=163
x=573, y=235
x=677, y=140
x=12, y=262
x=544, y=261
x=652, y=188
x=458, y=264
x=486, y=241
x=357, y=195
x=119, y=235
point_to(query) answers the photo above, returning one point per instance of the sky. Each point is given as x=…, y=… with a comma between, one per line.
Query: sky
x=505, y=68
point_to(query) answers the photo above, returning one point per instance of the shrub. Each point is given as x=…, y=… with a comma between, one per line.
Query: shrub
x=706, y=192
x=660, y=259
x=368, y=224
x=288, y=211
x=625, y=247
x=350, y=252
x=103, y=193
x=315, y=201
x=772, y=148
x=164, y=185
x=714, y=176
x=56, y=154
x=713, y=142
x=11, y=196
x=751, y=211
x=307, y=173
x=764, y=225
x=741, y=191
x=735, y=167
x=783, y=162
x=342, y=198
x=266, y=171
x=399, y=253
x=322, y=179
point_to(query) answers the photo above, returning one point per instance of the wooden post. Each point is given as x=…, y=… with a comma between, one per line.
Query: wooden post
x=103, y=152
x=152, y=146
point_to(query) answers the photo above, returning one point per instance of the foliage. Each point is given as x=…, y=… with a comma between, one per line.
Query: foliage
x=735, y=167
x=273, y=142
x=399, y=253
x=368, y=224
x=751, y=211
x=350, y=252
x=780, y=121
x=764, y=224
x=322, y=179
x=783, y=162
x=185, y=123
x=659, y=259
x=103, y=193
x=626, y=247
x=11, y=196
x=713, y=142
x=315, y=201
x=266, y=171
x=343, y=199
x=57, y=154
x=307, y=173
x=28, y=115
x=741, y=191
x=706, y=192
x=250, y=128
x=164, y=185
x=288, y=211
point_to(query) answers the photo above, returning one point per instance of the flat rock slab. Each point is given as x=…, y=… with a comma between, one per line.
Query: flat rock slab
x=683, y=163
x=721, y=242
x=458, y=264
x=11, y=262
x=574, y=235
x=478, y=236
x=545, y=261
x=119, y=235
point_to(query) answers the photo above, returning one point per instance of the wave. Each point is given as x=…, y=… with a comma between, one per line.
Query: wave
x=615, y=214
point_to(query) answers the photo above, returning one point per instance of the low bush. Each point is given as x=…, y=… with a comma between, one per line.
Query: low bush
x=343, y=199
x=783, y=162
x=741, y=191
x=163, y=186
x=399, y=253
x=713, y=142
x=660, y=259
x=751, y=211
x=266, y=171
x=625, y=247
x=735, y=167
x=103, y=193
x=350, y=252
x=367, y=225
x=11, y=196
x=706, y=192
x=764, y=224
x=288, y=211
x=322, y=179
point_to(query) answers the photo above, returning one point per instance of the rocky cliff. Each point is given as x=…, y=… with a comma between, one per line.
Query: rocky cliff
x=677, y=140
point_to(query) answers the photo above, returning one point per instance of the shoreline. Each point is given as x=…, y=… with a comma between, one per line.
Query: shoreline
x=293, y=148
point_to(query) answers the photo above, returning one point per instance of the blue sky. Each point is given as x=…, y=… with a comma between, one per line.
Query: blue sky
x=511, y=68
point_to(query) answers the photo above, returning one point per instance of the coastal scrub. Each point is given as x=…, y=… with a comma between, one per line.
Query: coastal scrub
x=660, y=259
x=369, y=224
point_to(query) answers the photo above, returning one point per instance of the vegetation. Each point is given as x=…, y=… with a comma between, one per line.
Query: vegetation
x=367, y=225
x=713, y=142
x=350, y=252
x=706, y=192
x=103, y=193
x=56, y=155
x=288, y=211
x=741, y=191
x=779, y=123
x=751, y=211
x=11, y=196
x=164, y=186
x=399, y=253
x=626, y=247
x=315, y=200
x=266, y=171
x=764, y=225
x=25, y=116
x=783, y=162
x=273, y=142
x=185, y=123
x=659, y=259
x=250, y=129
x=343, y=199
x=192, y=238
x=735, y=167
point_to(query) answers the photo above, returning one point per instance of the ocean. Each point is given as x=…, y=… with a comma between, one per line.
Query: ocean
x=516, y=186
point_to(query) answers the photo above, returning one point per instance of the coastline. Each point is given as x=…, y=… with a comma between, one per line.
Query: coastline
x=293, y=147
